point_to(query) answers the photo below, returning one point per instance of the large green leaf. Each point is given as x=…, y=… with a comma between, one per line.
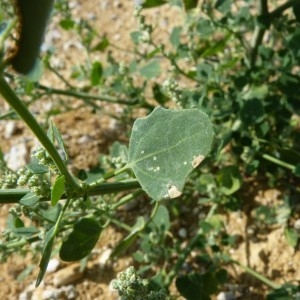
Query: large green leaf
x=166, y=146
x=81, y=241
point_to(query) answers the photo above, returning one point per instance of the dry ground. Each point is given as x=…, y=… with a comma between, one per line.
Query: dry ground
x=267, y=252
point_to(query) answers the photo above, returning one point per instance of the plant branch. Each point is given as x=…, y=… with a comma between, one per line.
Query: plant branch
x=15, y=195
x=258, y=276
x=82, y=95
x=260, y=29
x=14, y=101
x=259, y=32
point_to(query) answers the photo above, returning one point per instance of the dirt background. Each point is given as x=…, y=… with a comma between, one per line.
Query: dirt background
x=86, y=135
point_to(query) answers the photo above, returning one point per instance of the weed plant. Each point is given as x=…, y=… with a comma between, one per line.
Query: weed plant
x=228, y=101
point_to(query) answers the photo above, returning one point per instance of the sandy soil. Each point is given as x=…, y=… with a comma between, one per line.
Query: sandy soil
x=86, y=135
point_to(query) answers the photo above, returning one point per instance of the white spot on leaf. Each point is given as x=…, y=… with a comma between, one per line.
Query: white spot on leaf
x=173, y=192
x=197, y=161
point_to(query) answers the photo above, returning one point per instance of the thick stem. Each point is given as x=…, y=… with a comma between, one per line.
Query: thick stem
x=14, y=195
x=13, y=100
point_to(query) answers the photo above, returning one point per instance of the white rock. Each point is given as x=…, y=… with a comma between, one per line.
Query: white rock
x=53, y=265
x=50, y=294
x=226, y=296
x=17, y=157
x=10, y=129
x=27, y=295
x=67, y=275
x=182, y=233
x=103, y=259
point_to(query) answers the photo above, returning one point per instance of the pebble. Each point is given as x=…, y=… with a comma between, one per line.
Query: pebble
x=53, y=265
x=226, y=296
x=67, y=275
x=17, y=156
x=182, y=233
x=10, y=128
x=104, y=258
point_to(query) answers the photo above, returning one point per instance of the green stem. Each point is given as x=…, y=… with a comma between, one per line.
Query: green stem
x=126, y=199
x=14, y=195
x=82, y=95
x=13, y=100
x=258, y=276
x=108, y=176
x=278, y=162
x=188, y=249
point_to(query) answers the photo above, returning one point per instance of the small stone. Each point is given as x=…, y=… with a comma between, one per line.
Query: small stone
x=17, y=157
x=104, y=258
x=182, y=233
x=53, y=265
x=226, y=296
x=10, y=129
x=67, y=275
x=297, y=225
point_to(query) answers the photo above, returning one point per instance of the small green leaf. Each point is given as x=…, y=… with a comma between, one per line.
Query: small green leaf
x=58, y=189
x=67, y=24
x=152, y=3
x=129, y=239
x=102, y=45
x=52, y=213
x=229, y=179
x=151, y=70
x=135, y=36
x=47, y=249
x=190, y=4
x=197, y=287
x=161, y=219
x=166, y=146
x=291, y=236
x=30, y=199
x=96, y=73
x=175, y=36
x=37, y=168
x=60, y=141
x=81, y=240
x=13, y=222
x=252, y=112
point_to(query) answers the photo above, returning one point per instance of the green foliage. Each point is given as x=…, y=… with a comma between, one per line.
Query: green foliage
x=175, y=143
x=230, y=73
x=81, y=240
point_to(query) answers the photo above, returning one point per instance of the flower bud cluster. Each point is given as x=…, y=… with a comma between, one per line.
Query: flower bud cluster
x=44, y=159
x=130, y=286
x=36, y=182
x=173, y=91
x=8, y=180
x=118, y=162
